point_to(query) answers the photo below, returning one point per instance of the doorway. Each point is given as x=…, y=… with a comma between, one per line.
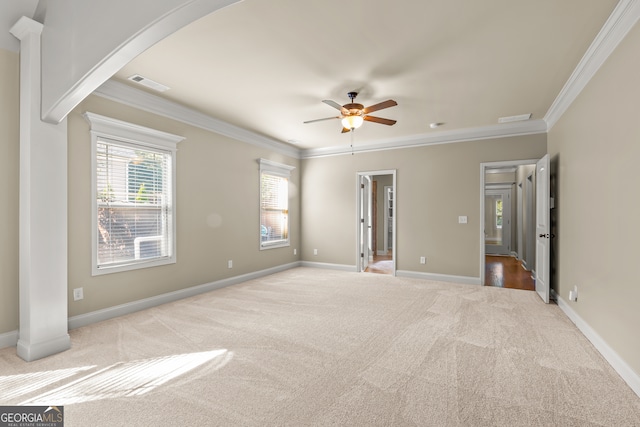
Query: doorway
x=497, y=220
x=507, y=218
x=376, y=222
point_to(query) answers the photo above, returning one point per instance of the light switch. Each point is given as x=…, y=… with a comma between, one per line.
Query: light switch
x=462, y=219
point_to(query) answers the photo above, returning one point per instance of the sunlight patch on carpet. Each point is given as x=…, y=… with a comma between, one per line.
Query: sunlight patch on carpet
x=12, y=386
x=128, y=379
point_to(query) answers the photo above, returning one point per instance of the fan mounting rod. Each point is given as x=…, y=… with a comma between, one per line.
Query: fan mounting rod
x=354, y=108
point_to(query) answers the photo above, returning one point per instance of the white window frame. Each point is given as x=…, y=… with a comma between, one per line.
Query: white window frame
x=282, y=170
x=107, y=129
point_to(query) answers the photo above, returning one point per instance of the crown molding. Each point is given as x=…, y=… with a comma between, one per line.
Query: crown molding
x=622, y=19
x=151, y=103
x=26, y=26
x=529, y=127
x=145, y=101
x=619, y=23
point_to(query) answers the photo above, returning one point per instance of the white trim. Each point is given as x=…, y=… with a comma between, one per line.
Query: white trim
x=143, y=304
x=120, y=132
x=282, y=170
x=622, y=19
x=64, y=93
x=619, y=23
x=271, y=166
x=498, y=186
x=129, y=132
x=617, y=363
x=9, y=339
x=24, y=27
x=483, y=168
x=465, y=280
x=530, y=127
x=393, y=173
x=141, y=100
x=30, y=351
x=329, y=266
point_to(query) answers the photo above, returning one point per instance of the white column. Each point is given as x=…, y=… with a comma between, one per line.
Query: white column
x=43, y=211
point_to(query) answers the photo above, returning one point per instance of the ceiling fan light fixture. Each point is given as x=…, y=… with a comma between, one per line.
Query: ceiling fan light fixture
x=352, y=122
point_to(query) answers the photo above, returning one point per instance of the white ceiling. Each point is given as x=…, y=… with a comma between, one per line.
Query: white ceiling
x=265, y=66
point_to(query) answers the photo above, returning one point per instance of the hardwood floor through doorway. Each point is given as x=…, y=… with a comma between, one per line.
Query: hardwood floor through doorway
x=382, y=264
x=507, y=272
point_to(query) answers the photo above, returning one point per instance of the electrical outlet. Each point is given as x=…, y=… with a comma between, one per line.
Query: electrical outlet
x=78, y=294
x=423, y=260
x=573, y=295
x=462, y=219
x=230, y=263
x=315, y=252
x=295, y=252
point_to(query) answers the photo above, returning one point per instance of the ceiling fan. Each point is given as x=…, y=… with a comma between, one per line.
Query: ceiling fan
x=353, y=114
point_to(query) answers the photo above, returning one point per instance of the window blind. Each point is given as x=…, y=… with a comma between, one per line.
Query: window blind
x=274, y=208
x=133, y=197
x=274, y=204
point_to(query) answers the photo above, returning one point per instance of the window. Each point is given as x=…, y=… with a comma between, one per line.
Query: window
x=133, y=181
x=499, y=213
x=274, y=204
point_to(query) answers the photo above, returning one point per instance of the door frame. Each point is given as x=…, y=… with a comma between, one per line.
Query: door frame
x=483, y=168
x=369, y=174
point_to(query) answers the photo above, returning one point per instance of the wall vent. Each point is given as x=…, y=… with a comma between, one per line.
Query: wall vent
x=141, y=80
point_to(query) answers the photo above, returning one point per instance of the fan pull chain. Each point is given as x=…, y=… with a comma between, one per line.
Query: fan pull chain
x=352, y=131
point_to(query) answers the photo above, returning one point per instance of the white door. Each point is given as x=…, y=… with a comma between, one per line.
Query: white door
x=365, y=222
x=497, y=218
x=543, y=229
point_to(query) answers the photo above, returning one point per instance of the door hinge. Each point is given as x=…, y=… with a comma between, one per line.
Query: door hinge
x=361, y=254
x=362, y=220
x=361, y=185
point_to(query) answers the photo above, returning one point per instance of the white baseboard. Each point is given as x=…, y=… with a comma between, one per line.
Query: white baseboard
x=439, y=277
x=329, y=266
x=617, y=363
x=132, y=307
x=9, y=339
x=31, y=351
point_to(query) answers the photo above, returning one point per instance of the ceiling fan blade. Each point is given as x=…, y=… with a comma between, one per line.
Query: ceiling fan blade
x=320, y=120
x=335, y=105
x=380, y=120
x=385, y=104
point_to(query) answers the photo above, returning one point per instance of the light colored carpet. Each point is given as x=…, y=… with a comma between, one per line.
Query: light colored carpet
x=321, y=347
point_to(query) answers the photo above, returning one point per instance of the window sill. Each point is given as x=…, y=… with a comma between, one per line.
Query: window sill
x=136, y=265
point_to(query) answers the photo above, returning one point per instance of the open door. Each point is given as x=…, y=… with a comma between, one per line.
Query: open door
x=365, y=222
x=543, y=229
x=370, y=257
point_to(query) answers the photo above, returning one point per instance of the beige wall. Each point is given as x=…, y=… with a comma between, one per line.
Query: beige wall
x=596, y=147
x=217, y=212
x=9, y=170
x=435, y=184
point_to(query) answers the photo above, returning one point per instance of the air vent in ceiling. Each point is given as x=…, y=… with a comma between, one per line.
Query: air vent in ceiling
x=158, y=87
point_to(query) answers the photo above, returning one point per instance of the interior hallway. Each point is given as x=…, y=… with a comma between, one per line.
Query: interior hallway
x=507, y=272
x=382, y=264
